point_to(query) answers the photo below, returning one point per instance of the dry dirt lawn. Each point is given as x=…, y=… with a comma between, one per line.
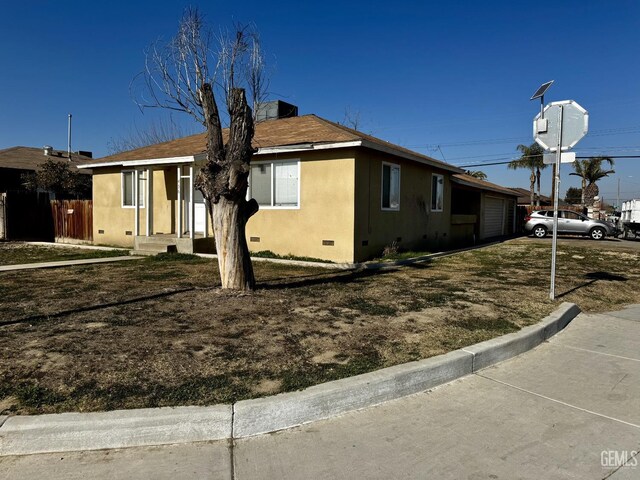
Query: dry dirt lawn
x=157, y=331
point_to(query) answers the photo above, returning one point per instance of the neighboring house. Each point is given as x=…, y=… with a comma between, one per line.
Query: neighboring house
x=26, y=214
x=324, y=190
x=15, y=162
x=524, y=198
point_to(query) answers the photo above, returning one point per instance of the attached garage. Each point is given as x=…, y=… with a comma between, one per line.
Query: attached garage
x=494, y=217
x=497, y=205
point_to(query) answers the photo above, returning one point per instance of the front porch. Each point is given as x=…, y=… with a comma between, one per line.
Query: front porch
x=182, y=221
x=167, y=243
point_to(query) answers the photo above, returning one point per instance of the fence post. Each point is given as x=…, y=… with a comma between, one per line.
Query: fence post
x=3, y=216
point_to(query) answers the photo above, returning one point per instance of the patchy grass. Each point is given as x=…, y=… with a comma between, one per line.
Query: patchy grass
x=402, y=255
x=270, y=254
x=157, y=332
x=17, y=253
x=177, y=257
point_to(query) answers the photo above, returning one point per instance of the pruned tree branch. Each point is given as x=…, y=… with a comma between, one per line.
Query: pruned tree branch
x=178, y=76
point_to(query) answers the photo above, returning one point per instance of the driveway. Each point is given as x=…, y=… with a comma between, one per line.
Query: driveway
x=568, y=409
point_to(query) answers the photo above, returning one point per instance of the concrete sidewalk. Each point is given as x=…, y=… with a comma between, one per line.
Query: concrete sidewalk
x=65, y=263
x=568, y=409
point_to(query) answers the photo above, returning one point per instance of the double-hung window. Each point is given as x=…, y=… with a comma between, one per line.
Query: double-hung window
x=128, y=189
x=275, y=184
x=390, y=186
x=437, y=192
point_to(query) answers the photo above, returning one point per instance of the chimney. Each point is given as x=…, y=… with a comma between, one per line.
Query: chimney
x=275, y=110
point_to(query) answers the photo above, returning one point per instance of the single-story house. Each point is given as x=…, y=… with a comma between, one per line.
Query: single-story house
x=25, y=211
x=524, y=198
x=324, y=190
x=15, y=162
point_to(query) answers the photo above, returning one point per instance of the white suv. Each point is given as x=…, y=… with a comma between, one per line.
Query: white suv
x=540, y=223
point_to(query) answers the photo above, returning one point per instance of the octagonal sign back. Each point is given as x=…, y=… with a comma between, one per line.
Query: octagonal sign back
x=575, y=125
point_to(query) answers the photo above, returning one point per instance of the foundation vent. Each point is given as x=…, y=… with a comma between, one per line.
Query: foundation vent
x=328, y=243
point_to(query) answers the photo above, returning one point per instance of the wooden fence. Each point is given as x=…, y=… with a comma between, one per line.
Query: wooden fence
x=574, y=208
x=27, y=216
x=73, y=219
x=3, y=216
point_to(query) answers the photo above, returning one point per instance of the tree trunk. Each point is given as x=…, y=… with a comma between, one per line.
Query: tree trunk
x=229, y=220
x=532, y=186
x=223, y=182
x=584, y=187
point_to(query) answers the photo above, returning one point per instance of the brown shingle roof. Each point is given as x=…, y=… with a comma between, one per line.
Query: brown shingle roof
x=524, y=197
x=30, y=158
x=272, y=133
x=482, y=184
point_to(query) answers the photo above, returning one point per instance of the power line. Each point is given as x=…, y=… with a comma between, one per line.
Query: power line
x=509, y=161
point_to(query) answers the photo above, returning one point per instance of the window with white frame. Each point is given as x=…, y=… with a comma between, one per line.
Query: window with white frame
x=437, y=192
x=275, y=184
x=128, y=189
x=390, y=186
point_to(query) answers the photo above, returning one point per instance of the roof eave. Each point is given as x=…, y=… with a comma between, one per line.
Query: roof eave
x=416, y=158
x=140, y=163
x=477, y=186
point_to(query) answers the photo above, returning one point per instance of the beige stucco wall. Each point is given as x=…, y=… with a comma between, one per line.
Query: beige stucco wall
x=165, y=186
x=326, y=210
x=112, y=222
x=414, y=223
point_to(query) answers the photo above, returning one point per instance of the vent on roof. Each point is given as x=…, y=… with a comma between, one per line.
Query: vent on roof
x=48, y=150
x=274, y=110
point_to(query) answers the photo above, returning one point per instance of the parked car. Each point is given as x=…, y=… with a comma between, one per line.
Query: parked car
x=540, y=223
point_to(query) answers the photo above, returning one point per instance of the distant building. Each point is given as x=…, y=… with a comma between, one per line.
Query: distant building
x=17, y=161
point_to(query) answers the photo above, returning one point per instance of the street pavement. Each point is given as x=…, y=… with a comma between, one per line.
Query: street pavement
x=569, y=409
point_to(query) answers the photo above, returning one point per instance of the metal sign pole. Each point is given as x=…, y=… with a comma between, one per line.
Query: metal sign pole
x=556, y=188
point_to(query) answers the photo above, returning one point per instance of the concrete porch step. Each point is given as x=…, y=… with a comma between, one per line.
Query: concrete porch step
x=146, y=253
x=158, y=247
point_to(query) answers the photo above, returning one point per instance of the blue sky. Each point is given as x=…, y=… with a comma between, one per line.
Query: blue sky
x=456, y=74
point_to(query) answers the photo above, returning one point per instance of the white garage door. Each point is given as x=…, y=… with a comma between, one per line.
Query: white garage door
x=493, y=217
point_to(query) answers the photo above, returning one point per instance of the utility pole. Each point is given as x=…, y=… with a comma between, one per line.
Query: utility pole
x=69, y=140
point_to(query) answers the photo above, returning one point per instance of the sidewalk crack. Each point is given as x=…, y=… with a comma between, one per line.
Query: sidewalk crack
x=559, y=401
x=232, y=443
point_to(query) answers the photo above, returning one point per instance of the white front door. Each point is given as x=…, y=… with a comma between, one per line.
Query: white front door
x=199, y=208
x=199, y=212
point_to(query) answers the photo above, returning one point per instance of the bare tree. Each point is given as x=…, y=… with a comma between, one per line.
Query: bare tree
x=159, y=131
x=186, y=75
x=351, y=118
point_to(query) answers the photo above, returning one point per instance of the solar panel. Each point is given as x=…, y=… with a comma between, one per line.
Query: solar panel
x=543, y=88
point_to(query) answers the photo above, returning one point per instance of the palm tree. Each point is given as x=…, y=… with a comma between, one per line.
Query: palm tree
x=480, y=175
x=590, y=170
x=531, y=159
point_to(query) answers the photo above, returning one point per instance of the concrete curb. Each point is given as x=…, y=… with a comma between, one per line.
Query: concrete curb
x=264, y=415
x=64, y=263
x=24, y=435
x=21, y=435
x=502, y=348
